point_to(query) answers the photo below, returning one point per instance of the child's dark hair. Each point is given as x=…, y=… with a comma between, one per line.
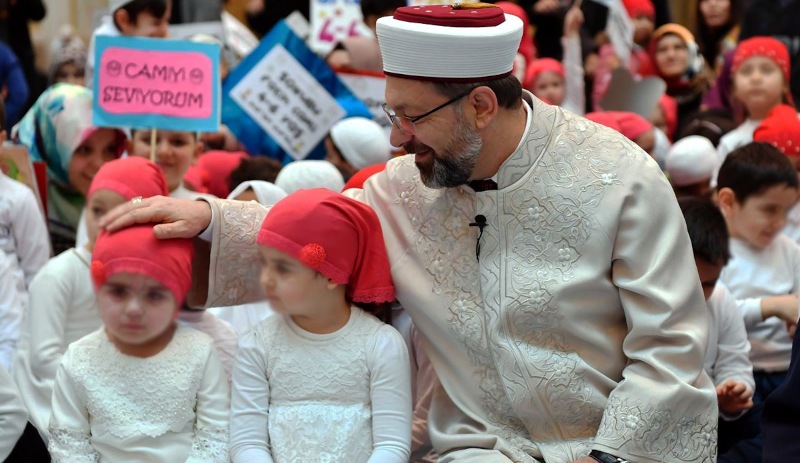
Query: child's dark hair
x=707, y=230
x=753, y=168
x=712, y=124
x=380, y=7
x=255, y=168
x=134, y=8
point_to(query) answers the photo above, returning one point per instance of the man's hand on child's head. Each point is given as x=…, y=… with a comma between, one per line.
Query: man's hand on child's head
x=734, y=397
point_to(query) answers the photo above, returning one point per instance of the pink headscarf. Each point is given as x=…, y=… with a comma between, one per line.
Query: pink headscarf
x=539, y=66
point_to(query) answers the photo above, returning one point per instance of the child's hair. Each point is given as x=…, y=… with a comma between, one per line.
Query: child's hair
x=707, y=230
x=711, y=124
x=134, y=8
x=708, y=39
x=255, y=168
x=754, y=168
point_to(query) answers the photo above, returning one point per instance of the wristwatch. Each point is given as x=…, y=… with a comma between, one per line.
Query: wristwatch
x=604, y=457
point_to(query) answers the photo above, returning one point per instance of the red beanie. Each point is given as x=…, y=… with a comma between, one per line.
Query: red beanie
x=769, y=47
x=782, y=129
x=136, y=250
x=130, y=177
x=636, y=8
x=334, y=235
x=215, y=170
x=540, y=65
x=627, y=123
x=357, y=180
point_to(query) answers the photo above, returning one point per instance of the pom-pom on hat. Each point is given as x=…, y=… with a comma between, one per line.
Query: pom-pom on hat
x=130, y=177
x=136, y=250
x=781, y=128
x=453, y=43
x=691, y=160
x=337, y=236
x=362, y=142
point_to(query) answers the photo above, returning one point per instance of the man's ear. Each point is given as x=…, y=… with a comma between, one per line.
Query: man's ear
x=484, y=104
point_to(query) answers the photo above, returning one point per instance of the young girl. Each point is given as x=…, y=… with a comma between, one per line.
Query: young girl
x=58, y=130
x=324, y=381
x=62, y=303
x=760, y=82
x=141, y=388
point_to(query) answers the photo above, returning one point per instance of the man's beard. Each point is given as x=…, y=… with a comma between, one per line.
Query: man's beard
x=455, y=165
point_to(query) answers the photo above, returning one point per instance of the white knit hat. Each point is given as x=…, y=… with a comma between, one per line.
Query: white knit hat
x=362, y=142
x=309, y=174
x=114, y=5
x=691, y=160
x=266, y=193
x=449, y=43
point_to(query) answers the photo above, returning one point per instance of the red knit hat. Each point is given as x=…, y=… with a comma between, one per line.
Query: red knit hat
x=136, y=250
x=130, y=177
x=782, y=129
x=627, y=123
x=539, y=66
x=215, y=170
x=769, y=47
x=334, y=235
x=636, y=8
x=357, y=180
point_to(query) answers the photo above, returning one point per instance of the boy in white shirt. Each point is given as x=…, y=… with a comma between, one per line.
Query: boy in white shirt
x=727, y=361
x=757, y=186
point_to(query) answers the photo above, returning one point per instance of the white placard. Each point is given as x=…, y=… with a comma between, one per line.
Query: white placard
x=372, y=91
x=619, y=29
x=287, y=102
x=332, y=21
x=237, y=36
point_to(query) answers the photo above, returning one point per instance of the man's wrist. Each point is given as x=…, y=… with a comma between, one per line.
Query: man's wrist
x=604, y=457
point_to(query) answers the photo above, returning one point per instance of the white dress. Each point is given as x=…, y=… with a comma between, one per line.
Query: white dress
x=327, y=398
x=110, y=407
x=63, y=309
x=24, y=249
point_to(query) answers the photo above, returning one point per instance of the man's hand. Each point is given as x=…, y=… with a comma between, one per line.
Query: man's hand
x=585, y=460
x=177, y=218
x=734, y=397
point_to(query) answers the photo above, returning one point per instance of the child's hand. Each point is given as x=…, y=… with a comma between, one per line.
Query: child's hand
x=573, y=22
x=783, y=307
x=545, y=6
x=734, y=397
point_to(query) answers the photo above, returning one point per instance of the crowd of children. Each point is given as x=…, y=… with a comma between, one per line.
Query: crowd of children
x=106, y=356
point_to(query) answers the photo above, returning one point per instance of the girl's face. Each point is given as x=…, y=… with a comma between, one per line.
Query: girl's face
x=102, y=146
x=175, y=153
x=70, y=73
x=138, y=313
x=716, y=13
x=758, y=83
x=549, y=87
x=672, y=56
x=291, y=287
x=100, y=202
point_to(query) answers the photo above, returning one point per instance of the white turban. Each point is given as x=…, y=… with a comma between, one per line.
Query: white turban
x=362, y=142
x=267, y=193
x=691, y=160
x=309, y=174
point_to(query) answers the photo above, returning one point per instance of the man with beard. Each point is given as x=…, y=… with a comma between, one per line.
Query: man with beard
x=559, y=307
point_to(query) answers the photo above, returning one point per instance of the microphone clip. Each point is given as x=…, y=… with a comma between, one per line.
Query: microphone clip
x=480, y=222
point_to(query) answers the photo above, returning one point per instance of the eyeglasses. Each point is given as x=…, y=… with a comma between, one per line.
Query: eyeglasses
x=406, y=124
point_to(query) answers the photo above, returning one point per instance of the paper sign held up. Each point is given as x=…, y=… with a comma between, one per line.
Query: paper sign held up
x=156, y=83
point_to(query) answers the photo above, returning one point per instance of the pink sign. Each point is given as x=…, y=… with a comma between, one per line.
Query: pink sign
x=168, y=83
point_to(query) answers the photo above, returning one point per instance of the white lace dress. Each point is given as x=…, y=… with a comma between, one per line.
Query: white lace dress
x=110, y=407
x=332, y=398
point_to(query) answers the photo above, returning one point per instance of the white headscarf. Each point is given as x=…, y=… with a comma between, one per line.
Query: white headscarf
x=309, y=174
x=267, y=193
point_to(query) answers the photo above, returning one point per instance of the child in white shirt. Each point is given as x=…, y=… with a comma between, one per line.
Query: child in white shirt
x=757, y=186
x=324, y=380
x=141, y=388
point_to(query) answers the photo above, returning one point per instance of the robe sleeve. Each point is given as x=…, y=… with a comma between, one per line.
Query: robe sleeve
x=249, y=404
x=210, y=441
x=70, y=431
x=664, y=394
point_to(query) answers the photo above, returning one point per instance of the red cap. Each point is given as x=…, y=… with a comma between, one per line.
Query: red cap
x=782, y=129
x=130, y=177
x=769, y=47
x=215, y=170
x=136, y=250
x=334, y=235
x=357, y=180
x=627, y=123
x=540, y=65
x=636, y=8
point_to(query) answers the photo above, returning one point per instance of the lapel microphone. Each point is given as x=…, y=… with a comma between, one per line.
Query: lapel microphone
x=480, y=222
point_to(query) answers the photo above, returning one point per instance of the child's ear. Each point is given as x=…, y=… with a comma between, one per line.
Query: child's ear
x=123, y=21
x=726, y=199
